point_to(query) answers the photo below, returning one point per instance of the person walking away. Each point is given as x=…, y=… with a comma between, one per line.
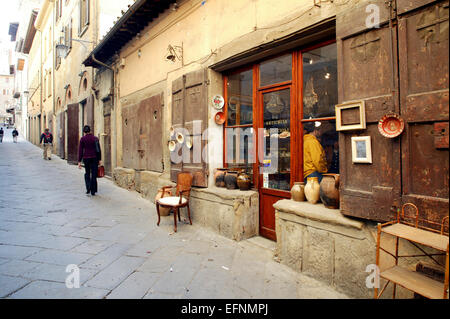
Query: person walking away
x=1, y=134
x=47, y=138
x=90, y=153
x=314, y=162
x=15, y=133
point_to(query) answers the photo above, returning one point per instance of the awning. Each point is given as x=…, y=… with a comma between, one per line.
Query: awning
x=137, y=17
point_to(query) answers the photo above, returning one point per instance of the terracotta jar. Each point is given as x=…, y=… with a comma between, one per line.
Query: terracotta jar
x=298, y=192
x=329, y=190
x=312, y=190
x=163, y=211
x=231, y=179
x=219, y=177
x=243, y=181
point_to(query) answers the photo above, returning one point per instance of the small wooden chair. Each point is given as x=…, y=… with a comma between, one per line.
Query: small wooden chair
x=183, y=191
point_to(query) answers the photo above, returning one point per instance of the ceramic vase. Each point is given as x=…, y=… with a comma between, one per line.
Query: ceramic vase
x=298, y=192
x=329, y=190
x=312, y=190
x=243, y=181
x=231, y=179
x=219, y=177
x=163, y=211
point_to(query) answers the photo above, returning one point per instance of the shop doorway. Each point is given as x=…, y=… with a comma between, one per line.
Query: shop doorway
x=274, y=150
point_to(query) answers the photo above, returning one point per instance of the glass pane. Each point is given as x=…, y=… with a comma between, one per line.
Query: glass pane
x=276, y=70
x=320, y=93
x=240, y=98
x=277, y=140
x=239, y=149
x=320, y=138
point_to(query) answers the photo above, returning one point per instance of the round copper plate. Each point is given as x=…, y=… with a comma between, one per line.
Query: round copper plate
x=391, y=125
x=219, y=118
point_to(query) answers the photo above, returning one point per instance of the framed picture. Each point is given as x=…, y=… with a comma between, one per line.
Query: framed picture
x=350, y=116
x=361, y=149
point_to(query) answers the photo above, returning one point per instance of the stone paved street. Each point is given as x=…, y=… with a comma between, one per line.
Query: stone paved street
x=47, y=222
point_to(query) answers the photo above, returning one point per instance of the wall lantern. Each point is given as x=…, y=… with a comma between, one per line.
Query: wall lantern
x=174, y=53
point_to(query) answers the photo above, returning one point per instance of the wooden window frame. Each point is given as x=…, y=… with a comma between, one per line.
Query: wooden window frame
x=297, y=121
x=83, y=25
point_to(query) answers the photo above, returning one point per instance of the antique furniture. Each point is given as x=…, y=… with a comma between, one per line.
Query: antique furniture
x=415, y=234
x=183, y=190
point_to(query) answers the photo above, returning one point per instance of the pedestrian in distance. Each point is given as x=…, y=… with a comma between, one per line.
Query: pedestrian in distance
x=90, y=153
x=15, y=133
x=1, y=134
x=47, y=138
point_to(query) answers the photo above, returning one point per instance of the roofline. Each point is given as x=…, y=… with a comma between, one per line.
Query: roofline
x=131, y=10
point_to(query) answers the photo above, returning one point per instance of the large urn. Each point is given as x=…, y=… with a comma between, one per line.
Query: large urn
x=298, y=192
x=329, y=190
x=312, y=190
x=243, y=181
x=219, y=177
x=231, y=179
x=163, y=211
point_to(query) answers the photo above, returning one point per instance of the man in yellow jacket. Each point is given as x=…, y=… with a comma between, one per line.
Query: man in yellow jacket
x=314, y=161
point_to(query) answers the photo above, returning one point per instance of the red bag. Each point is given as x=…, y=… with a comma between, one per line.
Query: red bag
x=101, y=171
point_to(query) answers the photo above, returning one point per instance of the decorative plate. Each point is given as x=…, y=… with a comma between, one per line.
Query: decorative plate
x=172, y=146
x=218, y=102
x=219, y=118
x=232, y=102
x=180, y=138
x=391, y=125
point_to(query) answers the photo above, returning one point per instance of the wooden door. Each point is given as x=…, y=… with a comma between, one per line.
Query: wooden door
x=72, y=133
x=424, y=89
x=61, y=135
x=106, y=151
x=274, y=152
x=190, y=117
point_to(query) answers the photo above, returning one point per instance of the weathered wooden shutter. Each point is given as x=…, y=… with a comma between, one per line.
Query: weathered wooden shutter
x=142, y=134
x=368, y=72
x=61, y=135
x=190, y=112
x=424, y=89
x=72, y=133
x=149, y=146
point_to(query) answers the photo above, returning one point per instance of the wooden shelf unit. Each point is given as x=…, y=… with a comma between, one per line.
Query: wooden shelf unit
x=412, y=280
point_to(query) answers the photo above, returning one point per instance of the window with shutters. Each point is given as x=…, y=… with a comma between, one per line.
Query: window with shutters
x=84, y=17
x=68, y=36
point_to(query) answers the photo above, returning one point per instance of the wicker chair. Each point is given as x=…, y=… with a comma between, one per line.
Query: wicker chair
x=174, y=203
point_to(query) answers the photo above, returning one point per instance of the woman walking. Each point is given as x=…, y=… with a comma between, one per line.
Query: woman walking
x=90, y=153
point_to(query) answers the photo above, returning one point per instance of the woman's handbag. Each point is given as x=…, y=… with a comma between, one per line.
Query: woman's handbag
x=101, y=171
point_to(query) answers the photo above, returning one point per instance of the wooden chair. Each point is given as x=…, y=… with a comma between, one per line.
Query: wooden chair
x=183, y=191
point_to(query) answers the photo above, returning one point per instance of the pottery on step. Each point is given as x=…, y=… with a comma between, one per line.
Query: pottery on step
x=243, y=181
x=312, y=190
x=231, y=179
x=329, y=190
x=219, y=177
x=298, y=192
x=163, y=211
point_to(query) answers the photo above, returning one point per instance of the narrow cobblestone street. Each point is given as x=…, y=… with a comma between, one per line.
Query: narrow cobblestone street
x=47, y=222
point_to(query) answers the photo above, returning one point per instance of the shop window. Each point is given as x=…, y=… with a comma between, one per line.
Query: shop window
x=276, y=70
x=320, y=82
x=319, y=97
x=239, y=124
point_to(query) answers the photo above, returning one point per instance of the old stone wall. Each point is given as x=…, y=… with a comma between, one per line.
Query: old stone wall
x=231, y=213
x=325, y=245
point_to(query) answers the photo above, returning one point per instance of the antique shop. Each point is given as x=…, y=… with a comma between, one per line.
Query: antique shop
x=238, y=100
